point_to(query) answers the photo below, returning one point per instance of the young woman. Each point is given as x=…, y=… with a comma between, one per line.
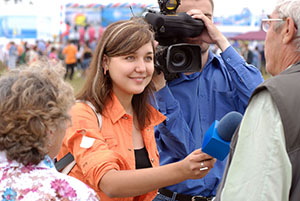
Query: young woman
x=120, y=159
x=86, y=58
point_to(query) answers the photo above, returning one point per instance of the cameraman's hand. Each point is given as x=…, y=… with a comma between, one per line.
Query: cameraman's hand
x=197, y=164
x=211, y=34
x=158, y=80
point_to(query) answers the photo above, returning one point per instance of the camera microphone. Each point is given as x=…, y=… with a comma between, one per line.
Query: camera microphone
x=172, y=29
x=155, y=20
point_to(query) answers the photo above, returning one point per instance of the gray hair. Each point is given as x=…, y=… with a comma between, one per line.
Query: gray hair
x=33, y=99
x=290, y=8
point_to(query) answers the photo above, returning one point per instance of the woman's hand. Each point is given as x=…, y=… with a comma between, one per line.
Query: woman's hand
x=197, y=164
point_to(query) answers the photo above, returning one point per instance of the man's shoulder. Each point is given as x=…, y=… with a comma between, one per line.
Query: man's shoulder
x=285, y=82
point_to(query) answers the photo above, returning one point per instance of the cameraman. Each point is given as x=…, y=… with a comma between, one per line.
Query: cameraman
x=193, y=101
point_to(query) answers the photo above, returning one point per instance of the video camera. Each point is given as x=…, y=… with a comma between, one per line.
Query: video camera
x=173, y=55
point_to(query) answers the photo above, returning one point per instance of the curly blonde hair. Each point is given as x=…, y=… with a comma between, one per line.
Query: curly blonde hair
x=32, y=100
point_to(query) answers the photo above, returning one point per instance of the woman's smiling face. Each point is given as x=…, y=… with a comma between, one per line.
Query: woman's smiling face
x=130, y=74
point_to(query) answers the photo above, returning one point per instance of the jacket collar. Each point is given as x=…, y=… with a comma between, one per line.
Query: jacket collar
x=115, y=111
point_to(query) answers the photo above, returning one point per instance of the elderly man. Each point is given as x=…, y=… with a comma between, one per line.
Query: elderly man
x=265, y=163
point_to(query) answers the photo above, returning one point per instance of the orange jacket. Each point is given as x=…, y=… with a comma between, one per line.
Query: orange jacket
x=112, y=148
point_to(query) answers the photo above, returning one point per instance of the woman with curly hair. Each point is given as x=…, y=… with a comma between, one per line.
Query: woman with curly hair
x=34, y=105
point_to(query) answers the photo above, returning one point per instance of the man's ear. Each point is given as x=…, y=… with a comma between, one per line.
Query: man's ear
x=290, y=31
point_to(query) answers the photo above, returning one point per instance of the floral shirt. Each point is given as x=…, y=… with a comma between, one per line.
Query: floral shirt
x=39, y=182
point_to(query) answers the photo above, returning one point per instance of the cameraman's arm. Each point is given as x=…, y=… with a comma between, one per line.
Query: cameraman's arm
x=245, y=77
x=173, y=136
x=159, y=81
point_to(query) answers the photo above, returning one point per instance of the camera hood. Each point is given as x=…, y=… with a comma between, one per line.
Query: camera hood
x=171, y=29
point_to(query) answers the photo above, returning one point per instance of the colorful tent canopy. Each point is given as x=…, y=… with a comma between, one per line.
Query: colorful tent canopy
x=251, y=35
x=111, y=5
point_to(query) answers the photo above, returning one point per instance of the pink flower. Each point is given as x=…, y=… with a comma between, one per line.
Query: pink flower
x=63, y=189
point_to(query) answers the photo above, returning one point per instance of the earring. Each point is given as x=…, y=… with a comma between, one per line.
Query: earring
x=105, y=71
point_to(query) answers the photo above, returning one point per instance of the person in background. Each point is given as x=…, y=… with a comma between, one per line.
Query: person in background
x=41, y=47
x=91, y=33
x=21, y=49
x=100, y=32
x=53, y=53
x=80, y=48
x=263, y=60
x=31, y=55
x=194, y=101
x=22, y=57
x=81, y=31
x=12, y=55
x=256, y=61
x=247, y=53
x=34, y=105
x=86, y=57
x=70, y=52
x=64, y=37
x=264, y=161
x=119, y=160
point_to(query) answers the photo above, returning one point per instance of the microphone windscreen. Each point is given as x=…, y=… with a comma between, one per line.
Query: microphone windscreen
x=228, y=125
x=155, y=20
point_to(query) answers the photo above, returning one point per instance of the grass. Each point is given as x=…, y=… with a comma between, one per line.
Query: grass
x=2, y=68
x=266, y=76
x=77, y=81
x=264, y=73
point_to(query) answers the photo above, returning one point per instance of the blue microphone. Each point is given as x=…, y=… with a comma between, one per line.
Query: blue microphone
x=217, y=138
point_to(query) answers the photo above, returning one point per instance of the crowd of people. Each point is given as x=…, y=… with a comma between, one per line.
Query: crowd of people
x=134, y=136
x=75, y=54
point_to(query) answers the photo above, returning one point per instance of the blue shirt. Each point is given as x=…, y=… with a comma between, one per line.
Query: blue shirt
x=192, y=102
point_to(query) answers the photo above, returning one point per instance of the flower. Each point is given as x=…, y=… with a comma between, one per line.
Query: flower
x=9, y=195
x=28, y=168
x=48, y=162
x=63, y=189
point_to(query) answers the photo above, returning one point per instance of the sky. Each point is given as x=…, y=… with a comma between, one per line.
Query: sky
x=222, y=7
x=225, y=7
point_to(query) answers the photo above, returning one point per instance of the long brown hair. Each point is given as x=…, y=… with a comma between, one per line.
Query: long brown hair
x=119, y=39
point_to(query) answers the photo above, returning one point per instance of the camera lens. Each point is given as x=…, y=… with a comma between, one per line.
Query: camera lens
x=178, y=59
x=181, y=58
